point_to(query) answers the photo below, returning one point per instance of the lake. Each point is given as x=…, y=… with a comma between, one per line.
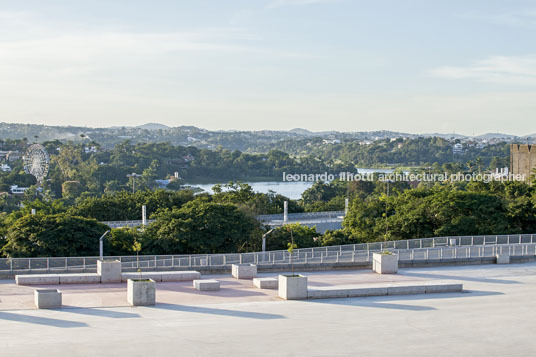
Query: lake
x=292, y=190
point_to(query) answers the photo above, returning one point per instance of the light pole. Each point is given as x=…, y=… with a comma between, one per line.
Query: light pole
x=101, y=249
x=134, y=176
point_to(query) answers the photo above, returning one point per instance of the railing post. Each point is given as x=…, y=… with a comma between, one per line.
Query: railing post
x=240, y=258
x=30, y=264
x=66, y=266
x=11, y=264
x=190, y=261
x=155, y=261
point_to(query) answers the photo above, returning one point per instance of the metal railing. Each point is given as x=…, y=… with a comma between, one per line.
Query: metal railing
x=304, y=217
x=408, y=250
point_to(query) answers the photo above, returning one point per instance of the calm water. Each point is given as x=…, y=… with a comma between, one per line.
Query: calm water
x=292, y=190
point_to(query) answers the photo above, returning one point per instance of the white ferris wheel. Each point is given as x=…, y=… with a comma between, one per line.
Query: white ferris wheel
x=36, y=162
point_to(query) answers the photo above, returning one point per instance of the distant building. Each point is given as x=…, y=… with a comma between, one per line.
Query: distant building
x=5, y=168
x=16, y=190
x=13, y=156
x=457, y=149
x=522, y=160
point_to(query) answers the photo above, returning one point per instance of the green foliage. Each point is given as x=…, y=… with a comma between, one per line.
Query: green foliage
x=202, y=227
x=303, y=237
x=53, y=235
x=127, y=206
x=121, y=241
x=442, y=211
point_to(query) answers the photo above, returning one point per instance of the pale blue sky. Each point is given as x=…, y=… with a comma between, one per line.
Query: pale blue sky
x=414, y=66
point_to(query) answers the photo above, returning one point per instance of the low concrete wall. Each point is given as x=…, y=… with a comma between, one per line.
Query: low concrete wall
x=334, y=292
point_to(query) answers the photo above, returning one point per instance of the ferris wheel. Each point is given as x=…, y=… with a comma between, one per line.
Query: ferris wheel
x=36, y=162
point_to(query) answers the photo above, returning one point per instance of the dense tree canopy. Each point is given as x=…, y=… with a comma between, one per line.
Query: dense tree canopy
x=53, y=235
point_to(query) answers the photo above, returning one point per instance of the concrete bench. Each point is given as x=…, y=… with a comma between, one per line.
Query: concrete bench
x=82, y=278
x=343, y=292
x=266, y=283
x=47, y=298
x=207, y=285
x=37, y=279
x=187, y=275
x=156, y=276
x=244, y=271
x=163, y=276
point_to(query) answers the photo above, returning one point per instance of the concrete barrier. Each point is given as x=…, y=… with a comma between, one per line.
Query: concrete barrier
x=244, y=271
x=266, y=283
x=207, y=285
x=37, y=279
x=85, y=278
x=47, y=298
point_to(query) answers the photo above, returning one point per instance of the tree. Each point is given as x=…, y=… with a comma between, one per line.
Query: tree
x=201, y=227
x=53, y=235
x=303, y=236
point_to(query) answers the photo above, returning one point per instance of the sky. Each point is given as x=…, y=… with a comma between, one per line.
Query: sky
x=465, y=67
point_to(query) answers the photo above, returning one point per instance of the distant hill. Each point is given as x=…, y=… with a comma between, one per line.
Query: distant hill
x=153, y=126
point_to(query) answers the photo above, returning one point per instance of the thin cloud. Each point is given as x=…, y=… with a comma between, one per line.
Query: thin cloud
x=494, y=69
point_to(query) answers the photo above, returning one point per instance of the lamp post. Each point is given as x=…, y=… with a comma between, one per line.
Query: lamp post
x=134, y=176
x=101, y=249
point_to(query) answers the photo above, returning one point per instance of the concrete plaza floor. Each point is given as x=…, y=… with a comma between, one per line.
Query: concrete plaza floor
x=494, y=317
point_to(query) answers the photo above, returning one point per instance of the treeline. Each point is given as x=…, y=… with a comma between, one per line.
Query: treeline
x=82, y=170
x=225, y=222
x=404, y=152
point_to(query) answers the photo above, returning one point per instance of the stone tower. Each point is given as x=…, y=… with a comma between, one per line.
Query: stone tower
x=523, y=160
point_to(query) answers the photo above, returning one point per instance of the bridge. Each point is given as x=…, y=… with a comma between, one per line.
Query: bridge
x=323, y=221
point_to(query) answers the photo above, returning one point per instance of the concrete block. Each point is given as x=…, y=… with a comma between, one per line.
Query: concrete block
x=443, y=288
x=207, y=285
x=82, y=278
x=156, y=276
x=266, y=283
x=180, y=275
x=141, y=292
x=385, y=263
x=47, y=298
x=292, y=287
x=503, y=258
x=109, y=271
x=327, y=293
x=37, y=279
x=361, y=292
x=406, y=290
x=244, y=271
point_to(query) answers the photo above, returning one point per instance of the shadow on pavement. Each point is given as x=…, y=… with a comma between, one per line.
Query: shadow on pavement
x=214, y=311
x=9, y=316
x=98, y=312
x=457, y=277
